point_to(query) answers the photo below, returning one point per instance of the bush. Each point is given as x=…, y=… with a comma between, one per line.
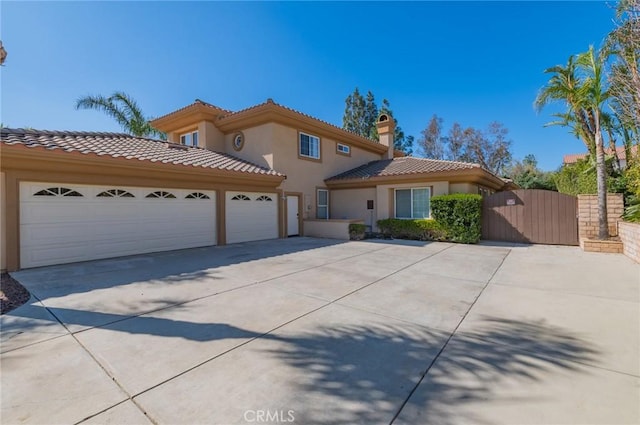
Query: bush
x=632, y=200
x=459, y=215
x=421, y=230
x=357, y=231
x=580, y=178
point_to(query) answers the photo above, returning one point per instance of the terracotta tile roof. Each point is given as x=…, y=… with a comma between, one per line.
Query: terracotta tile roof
x=195, y=102
x=620, y=151
x=286, y=108
x=402, y=166
x=120, y=145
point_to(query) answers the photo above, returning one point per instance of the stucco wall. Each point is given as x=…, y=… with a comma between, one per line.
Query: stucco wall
x=352, y=203
x=463, y=188
x=211, y=138
x=257, y=148
x=276, y=146
x=333, y=229
x=3, y=224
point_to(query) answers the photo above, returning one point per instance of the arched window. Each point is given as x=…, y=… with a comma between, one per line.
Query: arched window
x=264, y=198
x=161, y=194
x=57, y=191
x=197, y=195
x=240, y=197
x=115, y=193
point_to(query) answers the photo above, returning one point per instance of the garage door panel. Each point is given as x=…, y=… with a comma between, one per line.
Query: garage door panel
x=55, y=212
x=45, y=234
x=57, y=229
x=251, y=220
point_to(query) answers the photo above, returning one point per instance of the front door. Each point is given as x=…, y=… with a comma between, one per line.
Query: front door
x=293, y=224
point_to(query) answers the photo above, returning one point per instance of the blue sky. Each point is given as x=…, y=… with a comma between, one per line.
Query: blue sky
x=471, y=62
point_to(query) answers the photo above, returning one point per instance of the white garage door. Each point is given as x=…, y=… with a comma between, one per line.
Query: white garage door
x=251, y=216
x=61, y=223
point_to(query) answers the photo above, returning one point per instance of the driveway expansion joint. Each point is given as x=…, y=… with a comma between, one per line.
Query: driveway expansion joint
x=446, y=343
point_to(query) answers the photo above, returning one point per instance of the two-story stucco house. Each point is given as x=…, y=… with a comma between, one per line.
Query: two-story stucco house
x=222, y=177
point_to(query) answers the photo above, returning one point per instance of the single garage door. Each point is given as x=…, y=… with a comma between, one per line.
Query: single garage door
x=62, y=223
x=251, y=216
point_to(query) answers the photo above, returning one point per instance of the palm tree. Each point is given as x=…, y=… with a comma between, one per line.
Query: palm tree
x=595, y=98
x=580, y=85
x=124, y=110
x=566, y=86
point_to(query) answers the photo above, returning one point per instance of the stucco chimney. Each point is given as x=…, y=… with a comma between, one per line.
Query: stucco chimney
x=386, y=130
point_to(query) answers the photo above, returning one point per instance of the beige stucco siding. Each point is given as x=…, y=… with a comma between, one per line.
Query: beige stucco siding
x=352, y=204
x=463, y=188
x=211, y=138
x=258, y=145
x=276, y=146
x=3, y=224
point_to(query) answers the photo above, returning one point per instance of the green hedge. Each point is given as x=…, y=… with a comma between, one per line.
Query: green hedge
x=422, y=230
x=357, y=231
x=460, y=216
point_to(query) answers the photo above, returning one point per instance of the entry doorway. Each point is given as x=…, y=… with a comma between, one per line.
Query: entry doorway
x=293, y=215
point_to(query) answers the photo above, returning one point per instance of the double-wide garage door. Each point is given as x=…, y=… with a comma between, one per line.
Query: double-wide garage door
x=61, y=223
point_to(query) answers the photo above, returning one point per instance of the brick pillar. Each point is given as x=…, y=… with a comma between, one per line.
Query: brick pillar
x=588, y=215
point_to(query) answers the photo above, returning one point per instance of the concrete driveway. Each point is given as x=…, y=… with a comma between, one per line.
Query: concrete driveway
x=320, y=331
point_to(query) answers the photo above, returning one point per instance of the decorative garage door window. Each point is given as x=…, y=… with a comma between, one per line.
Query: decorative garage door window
x=241, y=197
x=197, y=195
x=115, y=193
x=57, y=191
x=161, y=194
x=264, y=198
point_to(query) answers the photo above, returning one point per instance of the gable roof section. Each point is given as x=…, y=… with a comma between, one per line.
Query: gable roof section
x=126, y=147
x=271, y=111
x=198, y=110
x=265, y=112
x=411, y=168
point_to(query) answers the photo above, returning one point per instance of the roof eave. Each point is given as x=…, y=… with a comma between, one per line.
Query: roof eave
x=271, y=112
x=186, y=116
x=14, y=156
x=471, y=175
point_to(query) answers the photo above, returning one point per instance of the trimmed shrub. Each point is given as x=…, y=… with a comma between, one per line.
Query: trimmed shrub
x=421, y=230
x=357, y=231
x=459, y=215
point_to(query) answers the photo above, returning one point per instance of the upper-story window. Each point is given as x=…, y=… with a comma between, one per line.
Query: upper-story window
x=343, y=149
x=309, y=146
x=189, y=139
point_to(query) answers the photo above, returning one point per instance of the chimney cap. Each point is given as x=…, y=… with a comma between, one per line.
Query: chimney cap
x=383, y=117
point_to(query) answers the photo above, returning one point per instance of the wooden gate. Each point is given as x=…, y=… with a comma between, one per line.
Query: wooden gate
x=531, y=216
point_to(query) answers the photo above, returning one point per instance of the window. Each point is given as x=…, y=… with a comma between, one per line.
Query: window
x=344, y=149
x=322, y=210
x=309, y=146
x=57, y=191
x=238, y=141
x=161, y=194
x=197, y=195
x=413, y=203
x=241, y=197
x=264, y=198
x=115, y=193
x=189, y=139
